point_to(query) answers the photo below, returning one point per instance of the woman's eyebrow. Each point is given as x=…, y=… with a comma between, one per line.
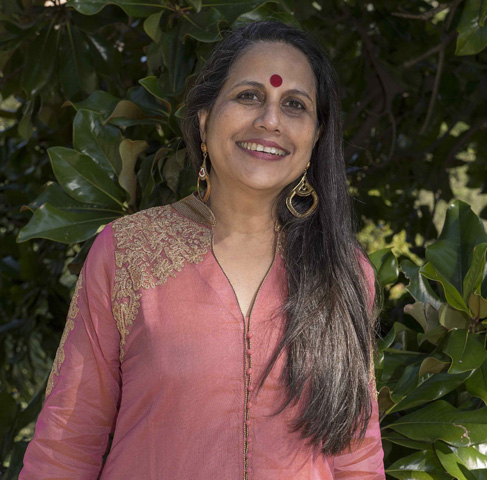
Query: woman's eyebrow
x=251, y=83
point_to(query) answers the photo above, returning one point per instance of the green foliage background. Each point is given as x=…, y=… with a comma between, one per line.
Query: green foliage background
x=91, y=93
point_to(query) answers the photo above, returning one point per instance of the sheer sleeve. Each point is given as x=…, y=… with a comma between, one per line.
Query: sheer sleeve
x=365, y=460
x=82, y=394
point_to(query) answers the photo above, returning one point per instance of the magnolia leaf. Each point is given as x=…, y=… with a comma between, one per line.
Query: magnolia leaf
x=151, y=26
x=100, y=142
x=459, y=461
x=472, y=31
x=83, y=179
x=419, y=288
x=423, y=465
x=433, y=365
x=386, y=266
x=417, y=311
x=476, y=384
x=451, y=318
x=452, y=295
x=129, y=152
x=63, y=226
x=451, y=255
x=441, y=421
x=433, y=336
x=478, y=306
x=466, y=350
x=475, y=274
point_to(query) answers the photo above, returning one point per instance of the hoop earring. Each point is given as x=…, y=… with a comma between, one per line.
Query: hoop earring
x=302, y=189
x=203, y=175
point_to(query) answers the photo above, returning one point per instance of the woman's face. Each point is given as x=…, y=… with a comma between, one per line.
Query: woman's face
x=252, y=114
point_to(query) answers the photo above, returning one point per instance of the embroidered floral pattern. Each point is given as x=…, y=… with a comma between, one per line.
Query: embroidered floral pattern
x=150, y=247
x=60, y=355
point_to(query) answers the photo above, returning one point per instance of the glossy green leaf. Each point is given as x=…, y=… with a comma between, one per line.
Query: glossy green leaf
x=419, y=288
x=64, y=226
x=472, y=31
x=76, y=72
x=152, y=85
x=98, y=141
x=451, y=256
x=429, y=389
x=452, y=295
x=478, y=306
x=386, y=266
x=57, y=197
x=459, y=461
x=451, y=318
x=151, y=26
x=41, y=58
x=177, y=59
x=103, y=103
x=476, y=384
x=417, y=311
x=473, y=278
x=442, y=421
x=83, y=179
x=394, y=437
x=172, y=169
x=422, y=465
x=129, y=152
x=433, y=365
x=466, y=350
x=134, y=8
x=203, y=26
x=433, y=336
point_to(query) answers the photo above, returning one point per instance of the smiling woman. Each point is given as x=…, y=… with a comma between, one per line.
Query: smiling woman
x=228, y=335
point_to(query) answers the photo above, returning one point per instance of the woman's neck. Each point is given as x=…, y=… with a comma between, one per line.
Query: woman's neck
x=238, y=213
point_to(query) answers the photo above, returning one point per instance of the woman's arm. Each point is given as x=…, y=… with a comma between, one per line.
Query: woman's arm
x=82, y=394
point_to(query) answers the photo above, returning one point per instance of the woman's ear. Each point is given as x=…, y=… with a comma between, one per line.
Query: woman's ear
x=202, y=118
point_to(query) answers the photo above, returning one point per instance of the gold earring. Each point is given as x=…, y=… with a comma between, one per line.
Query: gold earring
x=302, y=189
x=203, y=175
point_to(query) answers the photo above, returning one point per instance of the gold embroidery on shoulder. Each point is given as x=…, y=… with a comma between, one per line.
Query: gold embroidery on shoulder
x=60, y=355
x=151, y=246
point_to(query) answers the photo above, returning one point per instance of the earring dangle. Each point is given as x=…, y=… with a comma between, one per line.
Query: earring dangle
x=302, y=189
x=203, y=175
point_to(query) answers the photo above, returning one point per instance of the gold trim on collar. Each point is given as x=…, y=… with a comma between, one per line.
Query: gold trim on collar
x=194, y=209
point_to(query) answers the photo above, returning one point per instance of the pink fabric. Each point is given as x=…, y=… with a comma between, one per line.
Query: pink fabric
x=176, y=401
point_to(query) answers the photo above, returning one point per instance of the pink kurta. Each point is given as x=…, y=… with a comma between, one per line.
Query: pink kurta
x=156, y=351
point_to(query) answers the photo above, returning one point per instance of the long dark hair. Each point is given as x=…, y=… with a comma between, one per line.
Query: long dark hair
x=330, y=325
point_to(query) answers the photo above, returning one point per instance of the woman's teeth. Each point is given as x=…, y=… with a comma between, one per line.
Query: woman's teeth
x=260, y=148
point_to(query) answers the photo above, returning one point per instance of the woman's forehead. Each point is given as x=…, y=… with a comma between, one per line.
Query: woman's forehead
x=273, y=64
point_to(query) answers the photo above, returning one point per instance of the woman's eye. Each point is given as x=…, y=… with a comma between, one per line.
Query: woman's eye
x=248, y=96
x=295, y=105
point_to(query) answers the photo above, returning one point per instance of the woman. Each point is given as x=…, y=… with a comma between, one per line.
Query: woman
x=228, y=335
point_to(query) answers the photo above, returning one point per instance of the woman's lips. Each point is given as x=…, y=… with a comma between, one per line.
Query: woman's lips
x=262, y=155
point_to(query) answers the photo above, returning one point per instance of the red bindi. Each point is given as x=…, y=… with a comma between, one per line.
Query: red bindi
x=276, y=80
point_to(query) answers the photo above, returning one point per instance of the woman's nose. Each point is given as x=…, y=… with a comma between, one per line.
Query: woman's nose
x=269, y=117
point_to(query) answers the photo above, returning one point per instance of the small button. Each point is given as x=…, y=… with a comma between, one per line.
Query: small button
x=249, y=439
x=248, y=455
x=249, y=405
x=249, y=371
x=250, y=334
x=250, y=351
x=247, y=422
x=250, y=388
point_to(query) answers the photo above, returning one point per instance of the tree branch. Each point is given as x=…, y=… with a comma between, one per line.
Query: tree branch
x=425, y=15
